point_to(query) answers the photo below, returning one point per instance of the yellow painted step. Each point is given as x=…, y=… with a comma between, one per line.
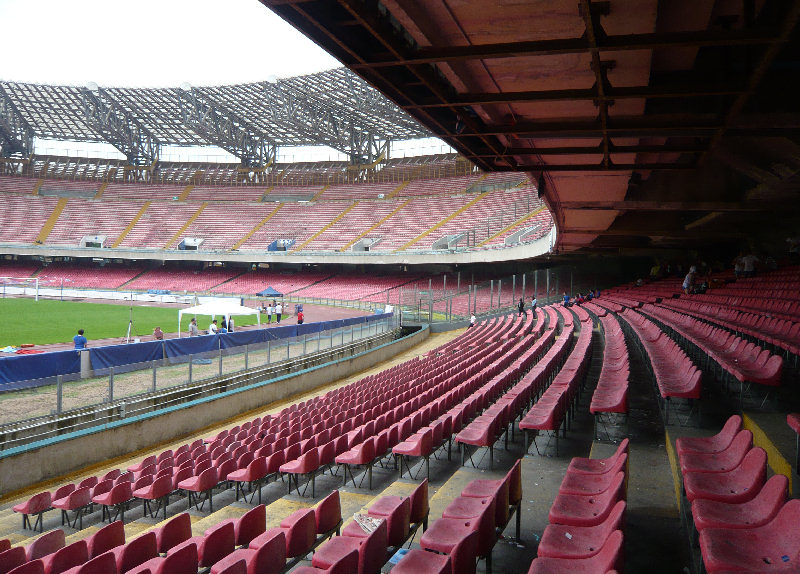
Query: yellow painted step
x=101, y=190
x=325, y=228
x=381, y=222
x=398, y=189
x=320, y=192
x=185, y=193
x=186, y=225
x=131, y=225
x=38, y=186
x=47, y=228
x=508, y=228
x=444, y=221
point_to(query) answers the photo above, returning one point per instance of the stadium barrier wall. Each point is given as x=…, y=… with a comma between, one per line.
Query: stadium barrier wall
x=28, y=371
x=27, y=465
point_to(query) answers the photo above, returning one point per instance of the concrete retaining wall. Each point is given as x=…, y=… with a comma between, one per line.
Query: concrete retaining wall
x=68, y=453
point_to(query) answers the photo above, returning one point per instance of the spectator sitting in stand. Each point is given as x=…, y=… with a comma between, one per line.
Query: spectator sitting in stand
x=158, y=334
x=566, y=300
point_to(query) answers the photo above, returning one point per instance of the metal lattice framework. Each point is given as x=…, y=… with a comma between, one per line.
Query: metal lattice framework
x=334, y=108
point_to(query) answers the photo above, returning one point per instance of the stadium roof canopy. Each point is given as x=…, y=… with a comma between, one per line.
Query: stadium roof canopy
x=334, y=108
x=648, y=124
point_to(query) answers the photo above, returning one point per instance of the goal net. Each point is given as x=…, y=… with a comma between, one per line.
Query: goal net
x=19, y=287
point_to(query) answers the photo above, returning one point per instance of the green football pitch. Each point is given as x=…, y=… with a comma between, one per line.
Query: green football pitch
x=45, y=321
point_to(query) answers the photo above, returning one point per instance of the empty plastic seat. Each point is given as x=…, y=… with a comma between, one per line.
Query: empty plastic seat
x=108, y=537
x=360, y=455
x=299, y=528
x=268, y=558
x=102, y=564
x=418, y=500
x=371, y=551
x=607, y=559
x=773, y=546
x=720, y=461
x=755, y=512
x=715, y=443
x=116, y=498
x=578, y=510
x=11, y=558
x=563, y=541
x=254, y=474
x=508, y=490
x=177, y=530
x=733, y=486
x=159, y=490
x=328, y=514
x=397, y=513
x=46, y=544
x=32, y=567
x=36, y=505
x=306, y=464
x=137, y=551
x=460, y=561
x=597, y=465
x=347, y=564
x=592, y=484
x=182, y=561
x=251, y=524
x=445, y=533
x=201, y=487
x=72, y=555
x=77, y=500
x=420, y=445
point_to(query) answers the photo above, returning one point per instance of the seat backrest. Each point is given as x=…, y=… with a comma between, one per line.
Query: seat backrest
x=46, y=544
x=177, y=530
x=142, y=481
x=79, y=497
x=91, y=481
x=328, y=513
x=108, y=537
x=237, y=567
x=63, y=491
x=208, y=479
x=219, y=541
x=514, y=480
x=462, y=557
x=419, y=502
x=39, y=503
x=606, y=559
x=347, y=564
x=182, y=561
x=122, y=492
x=32, y=567
x=302, y=534
x=12, y=558
x=250, y=525
x=138, y=551
x=373, y=556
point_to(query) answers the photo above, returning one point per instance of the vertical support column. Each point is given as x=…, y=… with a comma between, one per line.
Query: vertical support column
x=491, y=294
x=110, y=384
x=59, y=393
x=523, y=286
x=288, y=350
x=499, y=293
x=305, y=343
x=513, y=289
x=154, y=375
x=269, y=351
x=220, y=361
x=571, y=288
x=247, y=356
x=191, y=361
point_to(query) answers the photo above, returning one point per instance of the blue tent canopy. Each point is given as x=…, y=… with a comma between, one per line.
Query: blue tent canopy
x=269, y=292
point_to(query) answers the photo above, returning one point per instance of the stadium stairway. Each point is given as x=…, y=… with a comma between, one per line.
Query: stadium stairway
x=654, y=539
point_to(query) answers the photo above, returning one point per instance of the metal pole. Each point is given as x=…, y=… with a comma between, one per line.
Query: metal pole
x=536, y=283
x=305, y=342
x=154, y=376
x=523, y=286
x=269, y=350
x=319, y=340
x=469, y=298
x=547, y=287
x=513, y=288
x=191, y=360
x=220, y=361
x=458, y=282
x=59, y=392
x=246, y=356
x=491, y=294
x=288, y=351
x=571, y=290
x=499, y=292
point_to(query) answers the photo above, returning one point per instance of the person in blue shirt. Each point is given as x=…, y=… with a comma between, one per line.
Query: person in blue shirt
x=566, y=300
x=80, y=341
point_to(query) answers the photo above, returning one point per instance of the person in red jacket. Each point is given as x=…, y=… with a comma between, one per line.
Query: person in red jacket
x=300, y=318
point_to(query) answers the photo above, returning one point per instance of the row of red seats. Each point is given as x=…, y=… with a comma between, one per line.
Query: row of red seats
x=611, y=393
x=554, y=406
x=775, y=307
x=673, y=371
x=745, y=361
x=586, y=518
x=468, y=528
x=772, y=330
x=744, y=521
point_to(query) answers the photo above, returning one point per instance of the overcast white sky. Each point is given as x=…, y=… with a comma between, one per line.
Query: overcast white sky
x=151, y=43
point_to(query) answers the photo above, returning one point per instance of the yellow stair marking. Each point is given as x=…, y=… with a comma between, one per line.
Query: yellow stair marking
x=38, y=186
x=673, y=465
x=512, y=226
x=266, y=193
x=398, y=189
x=381, y=222
x=186, y=225
x=185, y=193
x=258, y=226
x=131, y=225
x=320, y=192
x=101, y=190
x=444, y=221
x=324, y=229
x=51, y=221
x=776, y=461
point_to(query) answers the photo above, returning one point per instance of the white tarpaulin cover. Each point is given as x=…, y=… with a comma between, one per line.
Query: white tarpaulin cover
x=221, y=307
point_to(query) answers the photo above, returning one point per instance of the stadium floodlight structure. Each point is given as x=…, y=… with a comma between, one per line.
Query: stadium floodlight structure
x=334, y=108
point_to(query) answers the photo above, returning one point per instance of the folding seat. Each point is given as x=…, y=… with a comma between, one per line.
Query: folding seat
x=158, y=490
x=215, y=543
x=11, y=558
x=174, y=532
x=328, y=515
x=327, y=455
x=250, y=525
x=597, y=465
x=307, y=464
x=726, y=459
x=460, y=561
x=608, y=558
x=347, y=564
x=136, y=552
x=37, y=505
x=78, y=501
x=420, y=445
x=577, y=510
x=592, y=484
x=148, y=470
x=150, y=460
x=201, y=486
x=563, y=541
x=108, y=537
x=371, y=551
x=224, y=469
x=46, y=544
x=180, y=475
x=32, y=567
x=396, y=511
x=254, y=474
x=755, y=512
x=361, y=454
x=299, y=528
x=116, y=498
x=90, y=482
x=445, y=533
x=752, y=549
x=65, y=558
x=142, y=482
x=734, y=486
x=182, y=561
x=507, y=492
x=127, y=477
x=793, y=420
x=5, y=544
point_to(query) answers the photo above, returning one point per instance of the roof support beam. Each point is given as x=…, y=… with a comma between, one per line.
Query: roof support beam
x=16, y=135
x=631, y=205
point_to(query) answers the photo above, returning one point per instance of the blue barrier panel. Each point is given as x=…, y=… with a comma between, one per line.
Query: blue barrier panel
x=309, y=328
x=241, y=338
x=177, y=349
x=281, y=332
x=117, y=355
x=39, y=366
